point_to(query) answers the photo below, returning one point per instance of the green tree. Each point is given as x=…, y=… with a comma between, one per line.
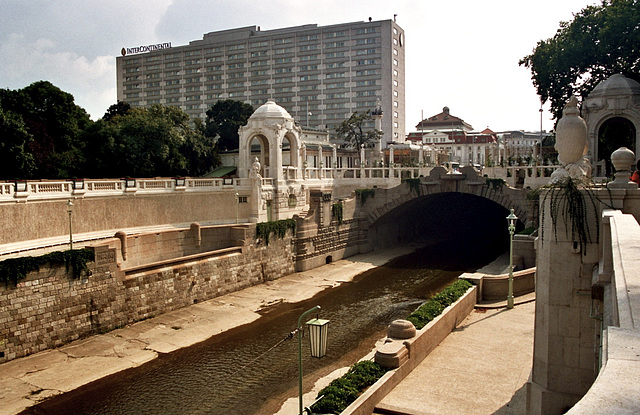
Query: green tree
x=148, y=142
x=55, y=122
x=224, y=118
x=15, y=160
x=354, y=131
x=118, y=109
x=600, y=41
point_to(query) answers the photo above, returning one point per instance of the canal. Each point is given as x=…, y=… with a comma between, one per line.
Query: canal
x=253, y=369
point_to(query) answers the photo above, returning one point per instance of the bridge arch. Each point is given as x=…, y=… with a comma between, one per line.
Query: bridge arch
x=467, y=181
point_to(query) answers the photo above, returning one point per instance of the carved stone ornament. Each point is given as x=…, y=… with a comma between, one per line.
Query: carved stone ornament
x=255, y=168
x=571, y=144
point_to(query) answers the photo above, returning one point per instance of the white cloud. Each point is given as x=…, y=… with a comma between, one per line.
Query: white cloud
x=459, y=53
x=88, y=80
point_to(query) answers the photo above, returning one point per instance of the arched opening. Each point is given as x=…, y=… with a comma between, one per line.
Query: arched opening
x=286, y=152
x=293, y=201
x=259, y=147
x=328, y=259
x=614, y=133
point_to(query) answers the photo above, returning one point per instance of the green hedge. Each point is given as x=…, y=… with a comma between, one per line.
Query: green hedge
x=15, y=269
x=436, y=305
x=341, y=392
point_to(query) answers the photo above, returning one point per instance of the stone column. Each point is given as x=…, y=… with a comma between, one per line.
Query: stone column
x=565, y=349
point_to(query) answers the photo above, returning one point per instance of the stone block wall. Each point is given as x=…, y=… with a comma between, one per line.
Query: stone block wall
x=322, y=238
x=49, y=308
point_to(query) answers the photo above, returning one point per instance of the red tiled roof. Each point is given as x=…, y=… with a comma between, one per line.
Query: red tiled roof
x=443, y=120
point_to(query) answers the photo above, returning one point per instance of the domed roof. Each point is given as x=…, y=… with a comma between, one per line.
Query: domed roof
x=616, y=85
x=271, y=110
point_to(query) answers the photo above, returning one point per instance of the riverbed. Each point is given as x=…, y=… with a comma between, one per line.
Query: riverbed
x=252, y=369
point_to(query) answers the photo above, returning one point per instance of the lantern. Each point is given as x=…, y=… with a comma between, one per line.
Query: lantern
x=318, y=330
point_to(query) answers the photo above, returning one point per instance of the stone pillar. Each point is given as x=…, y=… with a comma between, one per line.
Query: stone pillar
x=391, y=158
x=320, y=163
x=421, y=155
x=565, y=349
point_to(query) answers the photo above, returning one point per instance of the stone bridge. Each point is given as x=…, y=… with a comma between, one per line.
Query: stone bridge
x=467, y=181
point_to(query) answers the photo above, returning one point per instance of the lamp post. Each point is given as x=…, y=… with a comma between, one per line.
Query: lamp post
x=318, y=338
x=511, y=219
x=70, y=211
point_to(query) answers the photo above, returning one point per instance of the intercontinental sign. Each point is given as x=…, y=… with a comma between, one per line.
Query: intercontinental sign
x=146, y=48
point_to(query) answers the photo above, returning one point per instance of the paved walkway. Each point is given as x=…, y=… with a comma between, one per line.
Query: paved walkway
x=28, y=380
x=480, y=368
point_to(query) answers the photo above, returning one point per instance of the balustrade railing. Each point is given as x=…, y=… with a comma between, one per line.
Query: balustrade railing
x=51, y=189
x=619, y=276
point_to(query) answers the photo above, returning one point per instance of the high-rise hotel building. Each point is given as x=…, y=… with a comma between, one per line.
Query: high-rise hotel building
x=321, y=75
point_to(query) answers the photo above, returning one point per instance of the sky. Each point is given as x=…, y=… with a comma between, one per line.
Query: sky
x=462, y=54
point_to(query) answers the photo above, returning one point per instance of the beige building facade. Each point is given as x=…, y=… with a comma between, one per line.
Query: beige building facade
x=319, y=74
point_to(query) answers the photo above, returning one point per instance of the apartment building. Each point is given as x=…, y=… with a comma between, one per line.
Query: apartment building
x=319, y=74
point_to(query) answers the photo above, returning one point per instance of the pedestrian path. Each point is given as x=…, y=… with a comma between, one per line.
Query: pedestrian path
x=481, y=368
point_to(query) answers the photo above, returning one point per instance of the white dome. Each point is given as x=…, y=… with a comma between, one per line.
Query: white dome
x=271, y=110
x=616, y=85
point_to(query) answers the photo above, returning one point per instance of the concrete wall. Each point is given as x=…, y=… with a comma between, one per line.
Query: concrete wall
x=48, y=308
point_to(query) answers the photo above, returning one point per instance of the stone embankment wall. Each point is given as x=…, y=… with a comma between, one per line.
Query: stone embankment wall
x=49, y=308
x=324, y=236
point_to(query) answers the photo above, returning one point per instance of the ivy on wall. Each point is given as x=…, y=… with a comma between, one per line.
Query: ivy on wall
x=14, y=270
x=495, y=184
x=567, y=202
x=364, y=194
x=278, y=227
x=336, y=212
x=414, y=185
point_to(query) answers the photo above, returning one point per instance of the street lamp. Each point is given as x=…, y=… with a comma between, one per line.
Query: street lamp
x=318, y=339
x=511, y=219
x=70, y=210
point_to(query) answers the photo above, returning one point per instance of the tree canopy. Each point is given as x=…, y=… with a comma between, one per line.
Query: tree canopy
x=146, y=142
x=224, y=118
x=45, y=135
x=600, y=41
x=54, y=122
x=354, y=131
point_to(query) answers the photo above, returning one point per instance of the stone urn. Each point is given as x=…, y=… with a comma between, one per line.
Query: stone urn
x=571, y=134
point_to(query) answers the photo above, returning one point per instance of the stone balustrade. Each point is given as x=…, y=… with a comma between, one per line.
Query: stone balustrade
x=51, y=189
x=616, y=390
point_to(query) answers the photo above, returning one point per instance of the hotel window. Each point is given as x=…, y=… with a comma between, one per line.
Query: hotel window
x=395, y=62
x=395, y=114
